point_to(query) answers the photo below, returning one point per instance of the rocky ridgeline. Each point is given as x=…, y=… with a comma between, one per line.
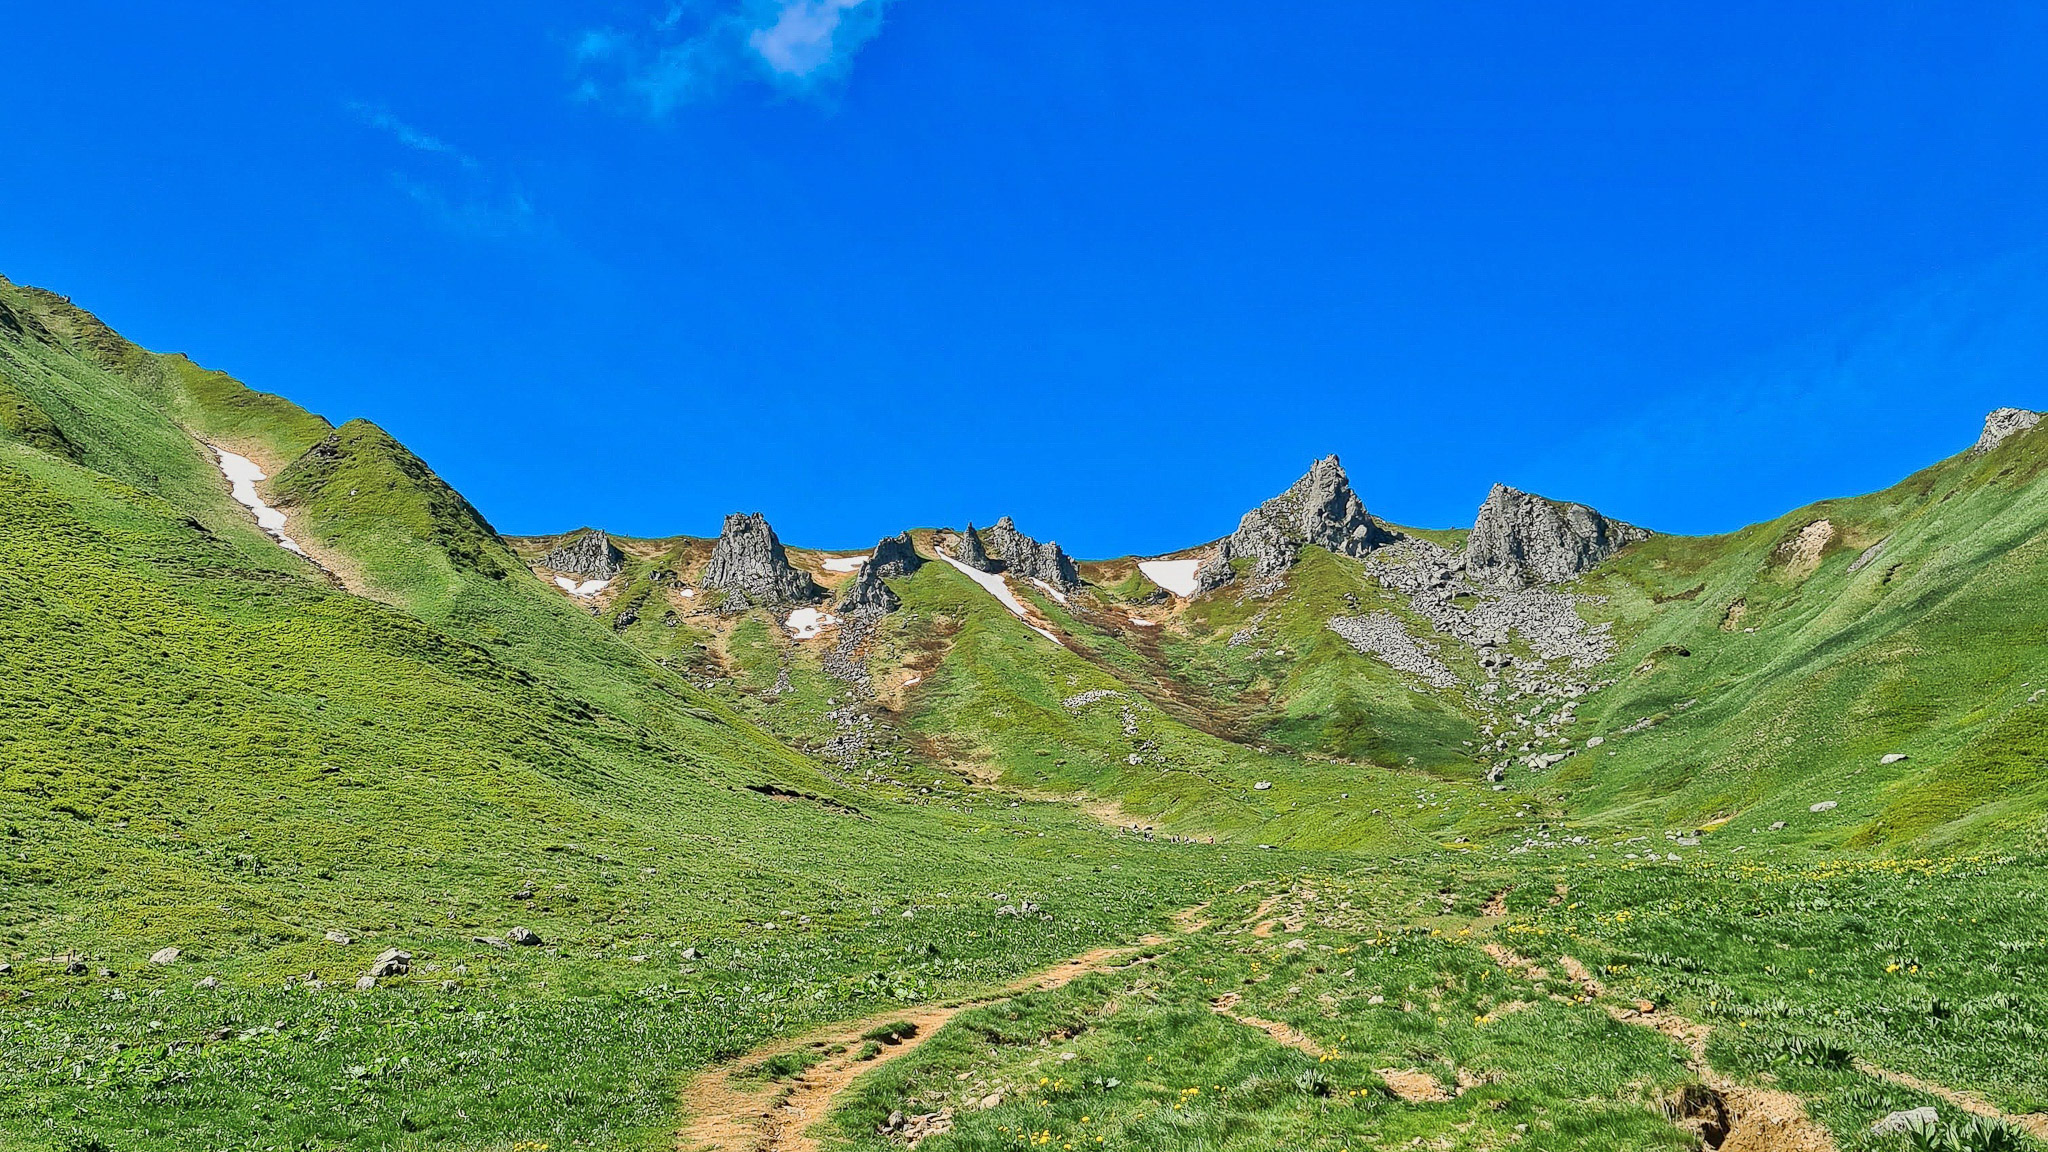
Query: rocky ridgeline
x=1320, y=509
x=2001, y=425
x=1520, y=539
x=1004, y=549
x=590, y=555
x=750, y=567
x=893, y=557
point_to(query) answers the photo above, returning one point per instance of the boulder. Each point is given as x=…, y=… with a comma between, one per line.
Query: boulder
x=1318, y=510
x=2002, y=425
x=893, y=557
x=391, y=962
x=1521, y=539
x=1895, y=1123
x=165, y=956
x=589, y=554
x=524, y=936
x=748, y=564
x=365, y=983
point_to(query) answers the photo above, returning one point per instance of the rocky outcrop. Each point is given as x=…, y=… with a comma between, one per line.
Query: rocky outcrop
x=750, y=567
x=1318, y=510
x=1027, y=559
x=969, y=551
x=1521, y=539
x=2002, y=424
x=894, y=557
x=589, y=554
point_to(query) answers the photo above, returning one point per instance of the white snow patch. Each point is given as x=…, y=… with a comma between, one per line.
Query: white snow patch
x=1051, y=591
x=1176, y=576
x=1141, y=622
x=845, y=563
x=999, y=589
x=242, y=474
x=806, y=623
x=585, y=589
x=689, y=593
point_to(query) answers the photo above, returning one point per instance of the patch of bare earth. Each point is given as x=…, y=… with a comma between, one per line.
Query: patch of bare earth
x=1281, y=1033
x=1729, y=1116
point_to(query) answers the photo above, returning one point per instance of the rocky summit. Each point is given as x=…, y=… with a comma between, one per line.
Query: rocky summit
x=1319, y=510
x=588, y=554
x=894, y=557
x=1522, y=539
x=1027, y=559
x=2002, y=424
x=968, y=550
x=749, y=565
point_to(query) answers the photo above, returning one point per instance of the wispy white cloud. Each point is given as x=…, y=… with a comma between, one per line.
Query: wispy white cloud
x=452, y=187
x=685, y=56
x=408, y=135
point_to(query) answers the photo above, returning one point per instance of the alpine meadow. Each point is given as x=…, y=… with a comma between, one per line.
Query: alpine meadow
x=334, y=818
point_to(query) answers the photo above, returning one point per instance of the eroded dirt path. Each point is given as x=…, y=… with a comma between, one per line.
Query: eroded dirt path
x=1733, y=1117
x=2035, y=1124
x=729, y=1111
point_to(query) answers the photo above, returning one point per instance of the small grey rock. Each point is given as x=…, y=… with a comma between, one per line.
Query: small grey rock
x=365, y=983
x=207, y=983
x=1897, y=1122
x=334, y=937
x=1824, y=806
x=524, y=936
x=165, y=956
x=391, y=962
x=692, y=954
x=1893, y=758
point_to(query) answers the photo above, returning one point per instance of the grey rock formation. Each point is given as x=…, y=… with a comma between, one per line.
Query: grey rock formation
x=969, y=551
x=1521, y=539
x=749, y=565
x=1319, y=510
x=894, y=557
x=2002, y=424
x=590, y=555
x=391, y=962
x=1027, y=559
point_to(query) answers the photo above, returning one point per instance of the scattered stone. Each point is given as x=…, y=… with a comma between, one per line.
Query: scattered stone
x=2003, y=424
x=1895, y=1123
x=365, y=983
x=207, y=983
x=692, y=954
x=5, y=967
x=490, y=941
x=391, y=962
x=524, y=936
x=1777, y=826
x=749, y=565
x=1893, y=758
x=165, y=956
x=1869, y=554
x=589, y=554
x=1823, y=806
x=1384, y=636
x=1522, y=539
x=334, y=937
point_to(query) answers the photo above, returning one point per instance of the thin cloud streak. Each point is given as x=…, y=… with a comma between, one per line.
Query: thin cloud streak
x=796, y=46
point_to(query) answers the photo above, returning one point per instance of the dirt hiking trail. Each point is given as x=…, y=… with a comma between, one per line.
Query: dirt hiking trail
x=729, y=1111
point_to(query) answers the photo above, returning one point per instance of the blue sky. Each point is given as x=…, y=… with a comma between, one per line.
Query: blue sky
x=1117, y=270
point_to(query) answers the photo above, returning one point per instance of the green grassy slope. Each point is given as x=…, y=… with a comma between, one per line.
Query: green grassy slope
x=1798, y=677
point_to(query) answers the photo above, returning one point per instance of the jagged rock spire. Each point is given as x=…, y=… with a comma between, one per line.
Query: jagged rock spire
x=589, y=554
x=749, y=565
x=1028, y=559
x=1522, y=539
x=1320, y=509
x=2003, y=423
x=894, y=556
x=969, y=551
